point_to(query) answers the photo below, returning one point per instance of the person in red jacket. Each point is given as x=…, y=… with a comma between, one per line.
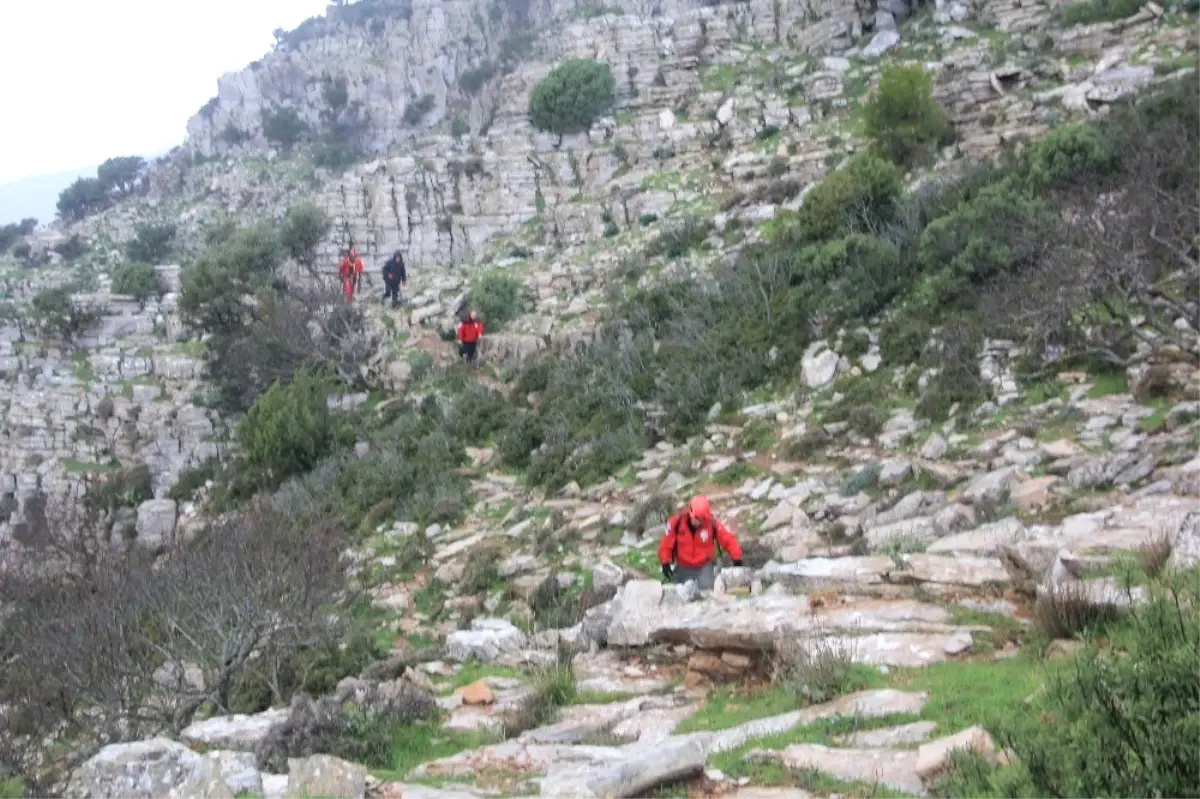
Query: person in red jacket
x=346, y=276
x=469, y=332
x=691, y=541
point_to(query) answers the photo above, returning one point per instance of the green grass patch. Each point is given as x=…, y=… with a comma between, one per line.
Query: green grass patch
x=474, y=672
x=963, y=694
x=73, y=466
x=1108, y=384
x=726, y=709
x=601, y=697
x=736, y=473
x=414, y=744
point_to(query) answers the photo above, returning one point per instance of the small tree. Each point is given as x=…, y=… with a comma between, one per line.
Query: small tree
x=570, y=98
x=284, y=127
x=139, y=281
x=303, y=229
x=902, y=117
x=286, y=432
x=54, y=313
x=83, y=197
x=151, y=243
x=121, y=174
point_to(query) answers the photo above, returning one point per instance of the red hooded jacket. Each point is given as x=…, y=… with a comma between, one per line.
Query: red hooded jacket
x=470, y=331
x=694, y=549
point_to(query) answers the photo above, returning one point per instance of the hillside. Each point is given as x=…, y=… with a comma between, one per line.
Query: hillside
x=908, y=293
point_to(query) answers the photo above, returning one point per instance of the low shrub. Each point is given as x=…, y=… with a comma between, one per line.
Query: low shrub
x=359, y=730
x=1118, y=720
x=553, y=687
x=498, y=298
x=816, y=669
x=139, y=281
x=1068, y=610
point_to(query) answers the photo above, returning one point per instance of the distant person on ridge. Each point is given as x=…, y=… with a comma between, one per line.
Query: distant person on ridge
x=470, y=331
x=690, y=543
x=394, y=274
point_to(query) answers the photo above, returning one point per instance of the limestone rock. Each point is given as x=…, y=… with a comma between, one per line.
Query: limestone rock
x=326, y=776
x=487, y=640
x=238, y=732
x=141, y=770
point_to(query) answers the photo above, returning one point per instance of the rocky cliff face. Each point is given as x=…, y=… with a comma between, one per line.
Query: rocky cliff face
x=122, y=394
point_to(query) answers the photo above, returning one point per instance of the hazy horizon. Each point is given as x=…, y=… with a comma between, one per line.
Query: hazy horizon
x=122, y=78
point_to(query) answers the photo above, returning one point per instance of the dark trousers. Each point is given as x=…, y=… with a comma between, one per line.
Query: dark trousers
x=467, y=349
x=392, y=290
x=704, y=576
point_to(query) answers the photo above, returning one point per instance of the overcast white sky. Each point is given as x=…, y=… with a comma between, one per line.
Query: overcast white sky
x=85, y=80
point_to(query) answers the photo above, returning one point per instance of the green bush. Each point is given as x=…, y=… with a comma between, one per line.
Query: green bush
x=473, y=79
x=570, y=98
x=1089, y=12
x=1066, y=153
x=416, y=110
x=903, y=119
x=411, y=466
x=303, y=229
x=151, y=243
x=126, y=488
x=498, y=298
x=861, y=196
x=139, y=281
x=284, y=127
x=286, y=432
x=54, y=313
x=459, y=126
x=1118, y=720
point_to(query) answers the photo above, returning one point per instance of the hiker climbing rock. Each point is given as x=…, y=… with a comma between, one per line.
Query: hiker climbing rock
x=470, y=331
x=350, y=271
x=689, y=546
x=394, y=275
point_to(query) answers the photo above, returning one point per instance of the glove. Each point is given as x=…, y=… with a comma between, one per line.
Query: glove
x=667, y=570
x=737, y=563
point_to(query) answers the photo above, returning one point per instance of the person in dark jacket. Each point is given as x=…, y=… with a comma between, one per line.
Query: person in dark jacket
x=394, y=275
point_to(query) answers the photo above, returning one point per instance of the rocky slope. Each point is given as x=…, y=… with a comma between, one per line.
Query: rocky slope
x=912, y=553
x=919, y=559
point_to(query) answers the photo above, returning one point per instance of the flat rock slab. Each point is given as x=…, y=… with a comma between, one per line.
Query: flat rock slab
x=894, y=768
x=815, y=574
x=580, y=722
x=604, y=672
x=758, y=622
x=965, y=570
x=984, y=540
x=401, y=790
x=889, y=737
x=654, y=766
x=238, y=732
x=570, y=769
x=904, y=650
x=861, y=704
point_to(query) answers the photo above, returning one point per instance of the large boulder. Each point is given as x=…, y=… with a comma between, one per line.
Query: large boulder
x=141, y=769
x=156, y=522
x=326, y=776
